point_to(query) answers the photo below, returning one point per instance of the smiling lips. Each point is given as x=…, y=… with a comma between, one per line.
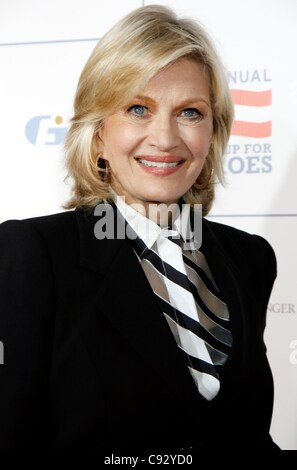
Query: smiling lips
x=160, y=166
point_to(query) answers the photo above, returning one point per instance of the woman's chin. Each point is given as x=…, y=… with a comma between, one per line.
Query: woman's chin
x=160, y=197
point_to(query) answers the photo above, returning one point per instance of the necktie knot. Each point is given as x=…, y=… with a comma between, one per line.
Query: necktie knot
x=169, y=232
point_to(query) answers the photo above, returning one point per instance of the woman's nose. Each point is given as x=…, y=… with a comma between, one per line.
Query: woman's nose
x=164, y=134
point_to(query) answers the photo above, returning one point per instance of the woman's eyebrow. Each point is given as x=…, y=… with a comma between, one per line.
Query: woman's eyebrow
x=191, y=100
x=145, y=99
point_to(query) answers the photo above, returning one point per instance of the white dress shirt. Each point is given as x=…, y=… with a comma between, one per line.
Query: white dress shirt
x=155, y=238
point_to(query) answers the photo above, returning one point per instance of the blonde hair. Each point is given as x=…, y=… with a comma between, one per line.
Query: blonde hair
x=132, y=52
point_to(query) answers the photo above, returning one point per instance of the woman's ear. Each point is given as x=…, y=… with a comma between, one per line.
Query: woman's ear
x=100, y=132
x=210, y=144
x=211, y=139
x=99, y=142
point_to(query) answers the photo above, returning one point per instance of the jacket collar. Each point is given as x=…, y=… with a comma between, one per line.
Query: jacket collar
x=124, y=296
x=95, y=253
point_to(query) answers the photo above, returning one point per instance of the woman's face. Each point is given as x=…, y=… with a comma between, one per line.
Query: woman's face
x=156, y=145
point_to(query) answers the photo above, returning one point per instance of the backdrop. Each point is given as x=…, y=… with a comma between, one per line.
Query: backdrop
x=43, y=47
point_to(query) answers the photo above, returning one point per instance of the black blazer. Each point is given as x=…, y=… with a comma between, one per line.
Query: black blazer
x=89, y=360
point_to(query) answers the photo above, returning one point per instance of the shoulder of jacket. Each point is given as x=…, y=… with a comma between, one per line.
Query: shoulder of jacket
x=27, y=231
x=251, y=246
x=43, y=222
x=229, y=233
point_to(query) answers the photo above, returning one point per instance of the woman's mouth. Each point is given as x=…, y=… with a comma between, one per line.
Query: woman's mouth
x=160, y=166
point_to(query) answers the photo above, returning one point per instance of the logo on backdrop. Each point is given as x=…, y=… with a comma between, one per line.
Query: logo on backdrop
x=286, y=309
x=45, y=130
x=249, y=149
x=282, y=308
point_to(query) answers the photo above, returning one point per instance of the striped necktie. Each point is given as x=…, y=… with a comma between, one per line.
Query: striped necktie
x=192, y=305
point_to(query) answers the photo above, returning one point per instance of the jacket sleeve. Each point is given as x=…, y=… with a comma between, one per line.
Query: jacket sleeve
x=269, y=275
x=26, y=330
x=269, y=268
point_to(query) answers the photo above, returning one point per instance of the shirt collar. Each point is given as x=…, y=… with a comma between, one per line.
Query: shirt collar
x=146, y=229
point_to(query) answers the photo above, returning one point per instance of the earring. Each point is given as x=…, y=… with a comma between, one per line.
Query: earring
x=102, y=165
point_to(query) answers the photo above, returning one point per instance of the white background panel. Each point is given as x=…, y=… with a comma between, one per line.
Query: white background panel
x=281, y=330
x=48, y=20
x=40, y=81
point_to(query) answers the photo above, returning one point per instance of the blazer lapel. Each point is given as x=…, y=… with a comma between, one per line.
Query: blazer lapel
x=231, y=278
x=126, y=298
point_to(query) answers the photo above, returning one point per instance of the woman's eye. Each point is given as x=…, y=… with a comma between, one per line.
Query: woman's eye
x=191, y=113
x=138, y=110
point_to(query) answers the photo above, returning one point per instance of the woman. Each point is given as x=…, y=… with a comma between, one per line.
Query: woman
x=118, y=332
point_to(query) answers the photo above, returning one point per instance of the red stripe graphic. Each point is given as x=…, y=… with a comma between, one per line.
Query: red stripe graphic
x=251, y=98
x=251, y=129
